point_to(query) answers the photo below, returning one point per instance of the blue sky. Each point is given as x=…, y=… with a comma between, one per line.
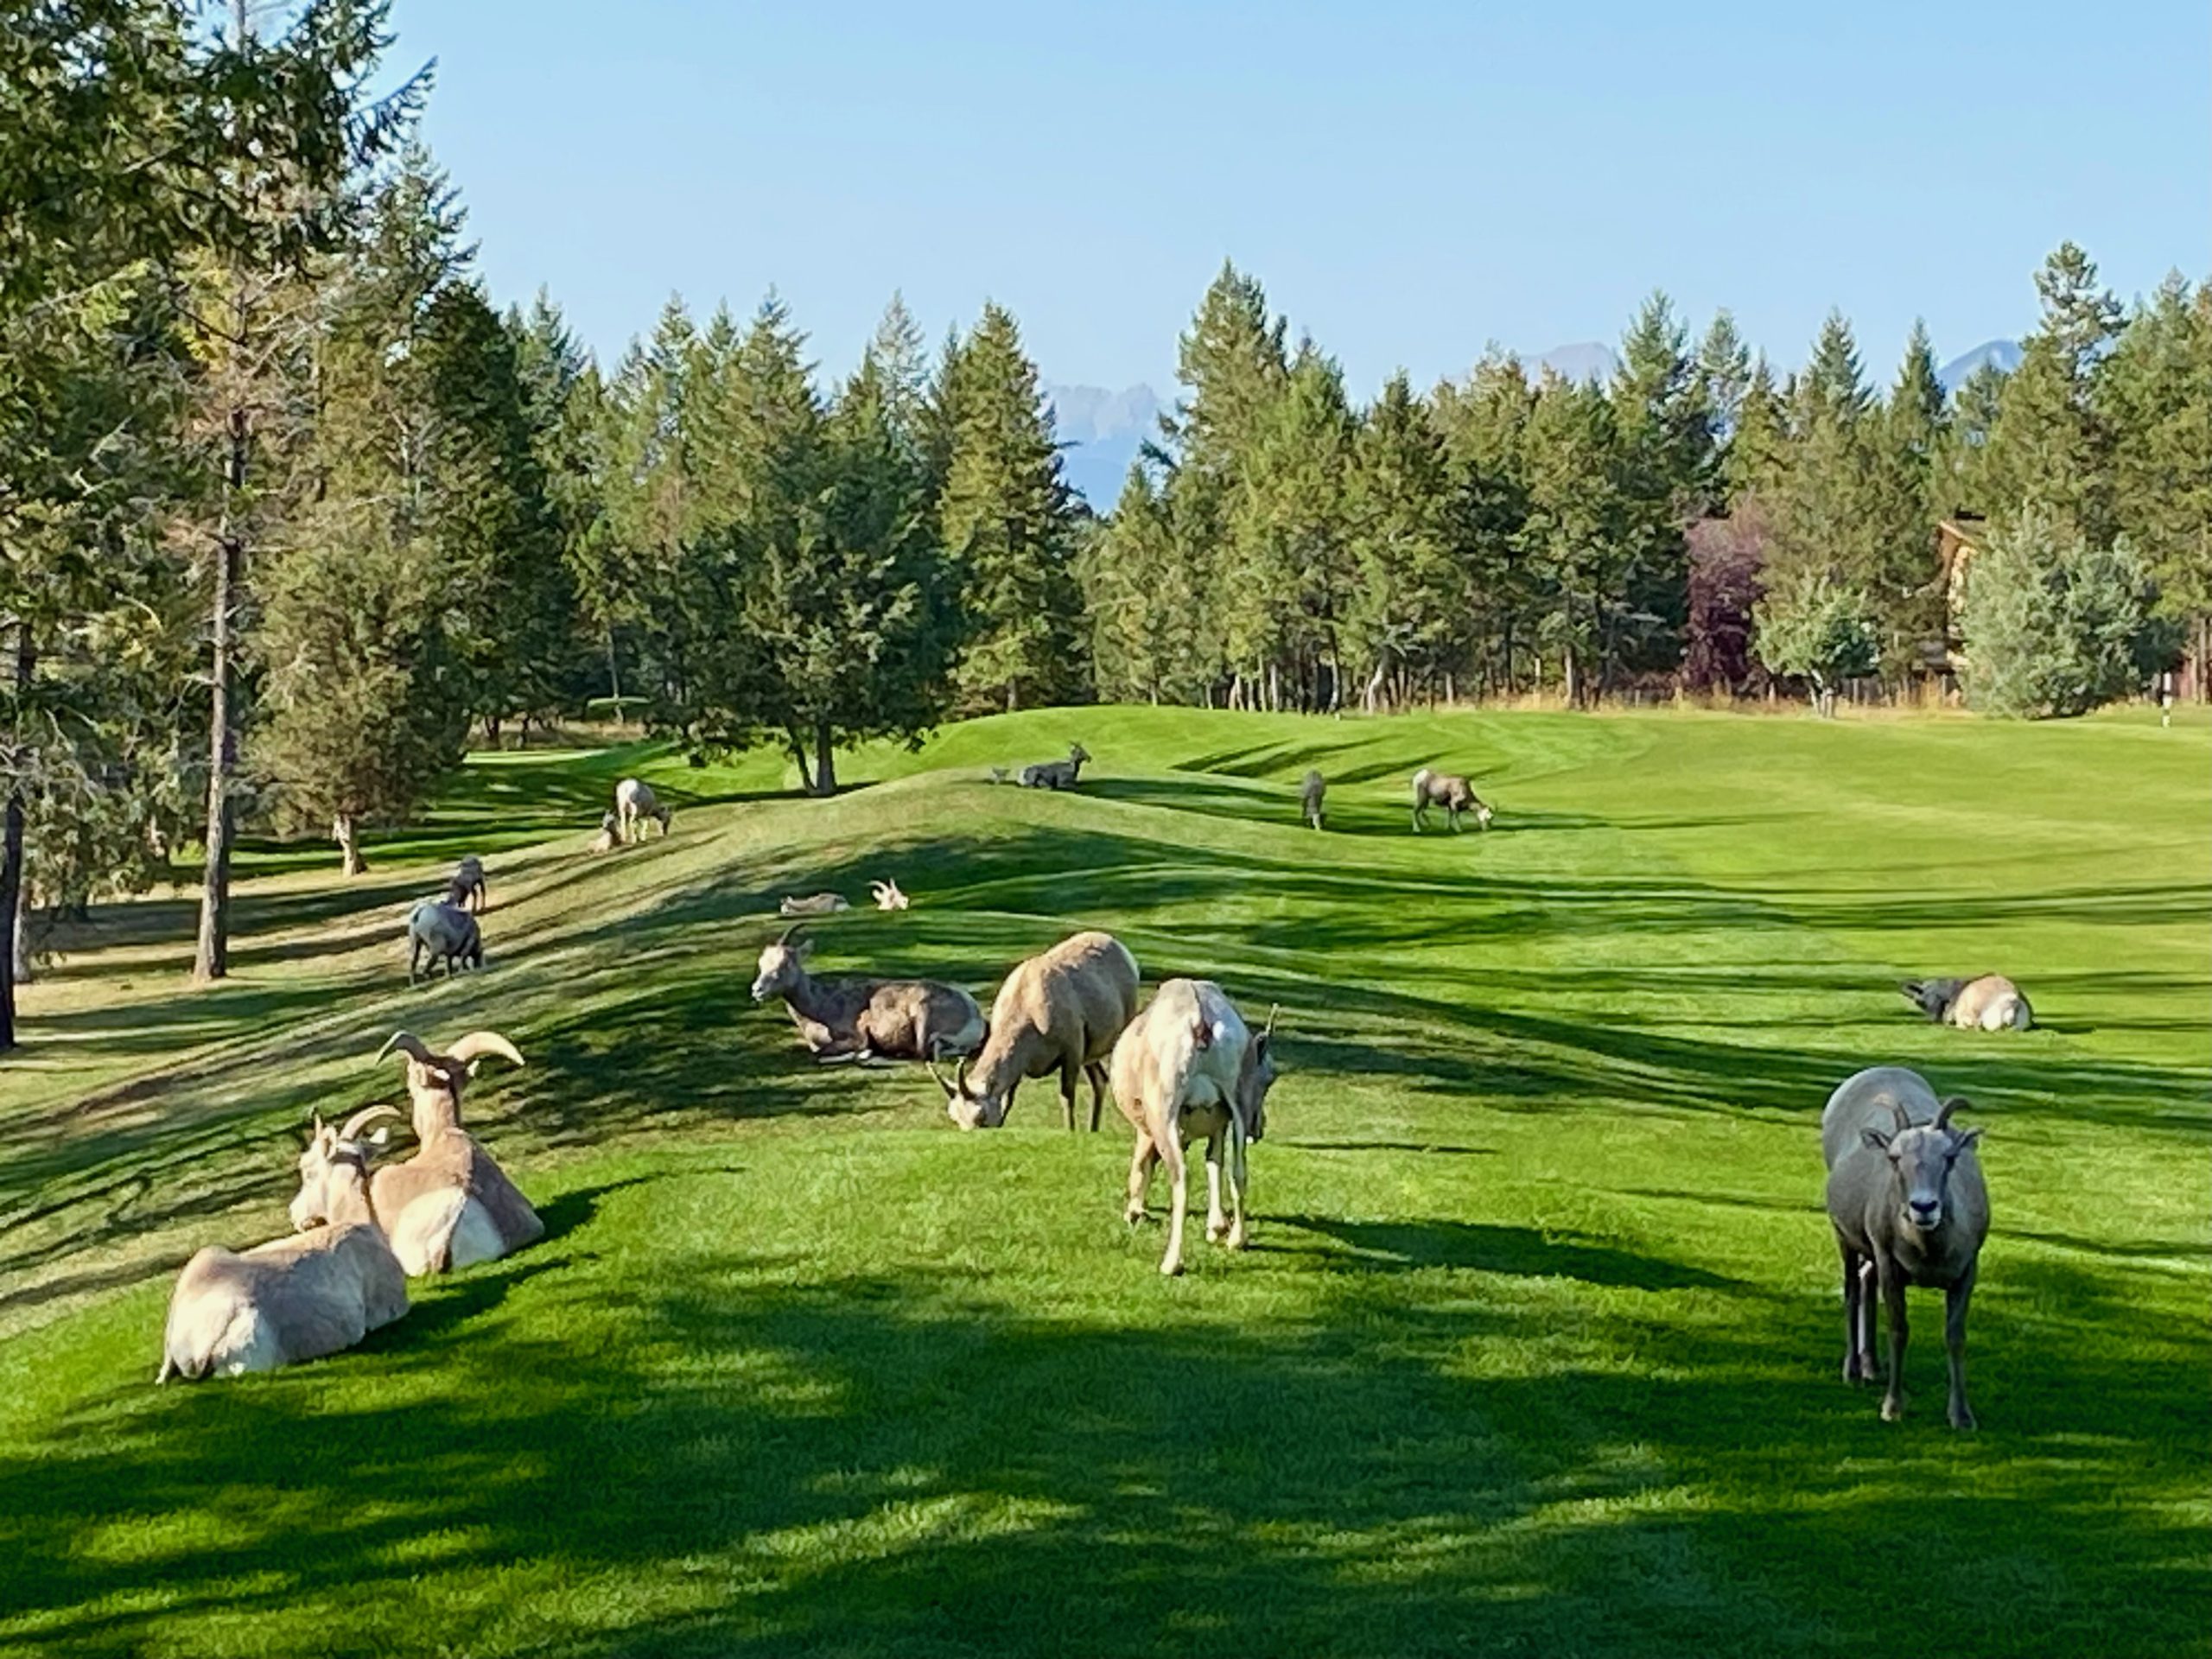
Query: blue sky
x=1409, y=179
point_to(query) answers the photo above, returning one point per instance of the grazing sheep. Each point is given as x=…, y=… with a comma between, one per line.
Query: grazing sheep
x=450, y=1206
x=1454, y=795
x=1188, y=1069
x=887, y=896
x=1906, y=1199
x=438, y=931
x=292, y=1298
x=818, y=904
x=1055, y=774
x=865, y=1019
x=635, y=802
x=1309, y=798
x=466, y=890
x=1058, y=1012
x=1992, y=1003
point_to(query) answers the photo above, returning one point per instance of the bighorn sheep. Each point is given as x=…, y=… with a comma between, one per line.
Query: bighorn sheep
x=466, y=890
x=1058, y=1012
x=865, y=1018
x=449, y=1205
x=1055, y=774
x=1992, y=1003
x=1454, y=795
x=610, y=834
x=1188, y=1069
x=292, y=1298
x=887, y=896
x=439, y=931
x=1309, y=798
x=998, y=774
x=1906, y=1199
x=815, y=904
x=635, y=802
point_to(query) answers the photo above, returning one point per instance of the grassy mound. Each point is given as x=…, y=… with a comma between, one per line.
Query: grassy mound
x=1537, y=1345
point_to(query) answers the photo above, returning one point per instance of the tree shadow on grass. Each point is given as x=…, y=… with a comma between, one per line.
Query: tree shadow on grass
x=718, y=1460
x=1410, y=1245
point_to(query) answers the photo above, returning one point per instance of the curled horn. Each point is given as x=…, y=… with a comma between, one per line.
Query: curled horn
x=878, y=889
x=363, y=1118
x=955, y=1087
x=1956, y=1102
x=1268, y=1029
x=1897, y=1111
x=476, y=1044
x=784, y=938
x=408, y=1044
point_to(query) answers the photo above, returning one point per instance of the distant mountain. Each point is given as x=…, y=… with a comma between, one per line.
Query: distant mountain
x=2005, y=354
x=1103, y=430
x=1588, y=360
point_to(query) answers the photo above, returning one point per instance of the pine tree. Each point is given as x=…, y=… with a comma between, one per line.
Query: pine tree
x=2052, y=448
x=1009, y=527
x=1485, y=427
x=2155, y=396
x=1408, y=607
x=1903, y=579
x=1664, y=431
x=1757, y=454
x=2052, y=625
x=1576, y=537
x=1826, y=507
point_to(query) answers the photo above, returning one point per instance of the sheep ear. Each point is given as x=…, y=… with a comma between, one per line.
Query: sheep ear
x=1878, y=1139
x=1961, y=1139
x=805, y=947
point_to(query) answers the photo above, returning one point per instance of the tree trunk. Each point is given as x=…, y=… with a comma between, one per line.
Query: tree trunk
x=825, y=759
x=11, y=860
x=491, y=731
x=342, y=832
x=19, y=947
x=613, y=674
x=211, y=960
x=1568, y=681
x=797, y=745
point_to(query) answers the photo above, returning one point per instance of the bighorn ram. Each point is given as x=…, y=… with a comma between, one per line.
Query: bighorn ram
x=466, y=890
x=1188, y=1069
x=439, y=931
x=1055, y=774
x=815, y=904
x=887, y=896
x=450, y=1206
x=635, y=802
x=1058, y=1012
x=293, y=1298
x=1906, y=1199
x=1992, y=1003
x=1309, y=798
x=1454, y=795
x=866, y=1019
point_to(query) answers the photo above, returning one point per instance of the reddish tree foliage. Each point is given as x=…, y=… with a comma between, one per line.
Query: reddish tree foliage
x=1726, y=557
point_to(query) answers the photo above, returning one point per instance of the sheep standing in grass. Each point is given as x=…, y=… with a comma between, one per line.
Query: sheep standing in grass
x=438, y=931
x=1991, y=1003
x=450, y=1206
x=466, y=891
x=1454, y=795
x=1309, y=798
x=635, y=802
x=293, y=1298
x=1188, y=1069
x=865, y=1019
x=1057, y=1012
x=1055, y=774
x=1906, y=1200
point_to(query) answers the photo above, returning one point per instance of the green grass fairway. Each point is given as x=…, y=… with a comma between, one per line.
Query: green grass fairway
x=1537, y=1349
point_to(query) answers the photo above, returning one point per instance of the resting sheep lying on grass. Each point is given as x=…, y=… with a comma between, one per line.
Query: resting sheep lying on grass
x=1056, y=774
x=1906, y=1199
x=815, y=904
x=1188, y=1069
x=866, y=1020
x=1057, y=1012
x=450, y=1206
x=1991, y=1003
x=293, y=1298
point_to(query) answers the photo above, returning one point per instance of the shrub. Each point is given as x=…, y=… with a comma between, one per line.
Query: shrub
x=2052, y=625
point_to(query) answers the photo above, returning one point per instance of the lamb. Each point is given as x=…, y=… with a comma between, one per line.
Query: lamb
x=1906, y=1199
x=1309, y=798
x=887, y=896
x=1454, y=795
x=816, y=904
x=1188, y=1069
x=1058, y=1012
x=1055, y=774
x=449, y=1205
x=292, y=1298
x=863, y=1020
x=439, y=931
x=1991, y=1003
x=610, y=834
x=635, y=802
x=466, y=890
